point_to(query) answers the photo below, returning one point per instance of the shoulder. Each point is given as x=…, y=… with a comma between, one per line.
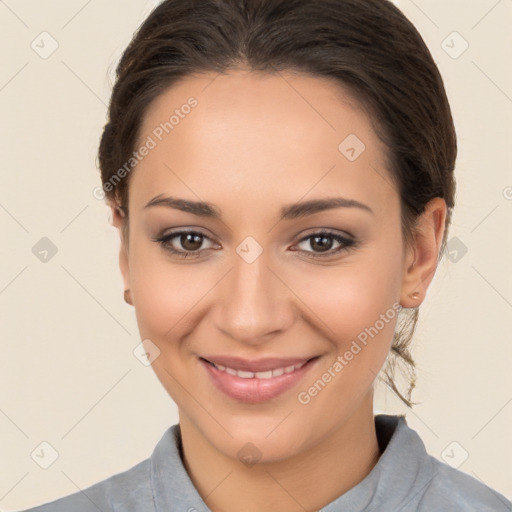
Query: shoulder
x=413, y=480
x=131, y=487
x=451, y=489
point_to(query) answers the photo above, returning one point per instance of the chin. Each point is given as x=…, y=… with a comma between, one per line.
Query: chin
x=266, y=439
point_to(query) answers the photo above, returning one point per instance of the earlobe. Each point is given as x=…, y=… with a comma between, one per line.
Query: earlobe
x=128, y=297
x=428, y=237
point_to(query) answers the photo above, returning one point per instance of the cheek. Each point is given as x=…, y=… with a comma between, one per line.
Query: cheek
x=166, y=295
x=351, y=297
x=357, y=305
x=359, y=308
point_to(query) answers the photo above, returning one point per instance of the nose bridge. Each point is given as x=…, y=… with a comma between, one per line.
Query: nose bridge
x=253, y=302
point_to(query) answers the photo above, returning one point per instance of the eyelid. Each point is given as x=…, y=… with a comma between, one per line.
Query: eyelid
x=184, y=230
x=327, y=231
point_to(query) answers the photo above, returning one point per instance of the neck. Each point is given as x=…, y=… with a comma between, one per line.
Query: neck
x=338, y=462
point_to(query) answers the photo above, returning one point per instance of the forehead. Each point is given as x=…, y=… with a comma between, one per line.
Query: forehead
x=262, y=135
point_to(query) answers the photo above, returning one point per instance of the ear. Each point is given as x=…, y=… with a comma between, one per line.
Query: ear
x=422, y=257
x=119, y=220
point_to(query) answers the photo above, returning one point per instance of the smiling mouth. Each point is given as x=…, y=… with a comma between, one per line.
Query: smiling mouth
x=267, y=374
x=256, y=381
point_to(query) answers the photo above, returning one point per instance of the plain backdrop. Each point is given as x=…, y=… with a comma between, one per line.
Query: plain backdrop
x=69, y=377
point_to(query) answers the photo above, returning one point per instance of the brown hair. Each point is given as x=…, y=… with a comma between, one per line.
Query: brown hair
x=368, y=47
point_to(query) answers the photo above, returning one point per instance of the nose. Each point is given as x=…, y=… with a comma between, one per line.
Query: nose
x=253, y=303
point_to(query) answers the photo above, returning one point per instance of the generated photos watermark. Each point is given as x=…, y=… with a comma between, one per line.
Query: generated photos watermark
x=151, y=142
x=305, y=397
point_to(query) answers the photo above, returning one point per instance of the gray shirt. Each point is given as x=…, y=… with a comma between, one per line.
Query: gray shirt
x=404, y=479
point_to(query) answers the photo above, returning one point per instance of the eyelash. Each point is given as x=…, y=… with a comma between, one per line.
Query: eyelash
x=347, y=244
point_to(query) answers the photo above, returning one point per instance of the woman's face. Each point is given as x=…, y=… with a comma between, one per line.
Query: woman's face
x=268, y=282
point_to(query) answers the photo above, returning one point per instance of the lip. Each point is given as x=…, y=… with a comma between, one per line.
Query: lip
x=255, y=390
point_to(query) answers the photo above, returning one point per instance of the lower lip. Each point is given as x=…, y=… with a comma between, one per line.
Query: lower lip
x=255, y=390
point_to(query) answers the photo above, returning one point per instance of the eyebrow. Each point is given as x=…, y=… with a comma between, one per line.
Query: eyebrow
x=288, y=212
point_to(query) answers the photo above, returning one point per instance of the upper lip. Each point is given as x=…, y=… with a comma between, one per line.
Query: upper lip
x=257, y=365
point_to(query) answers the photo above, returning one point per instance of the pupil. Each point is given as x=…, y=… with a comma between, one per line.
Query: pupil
x=324, y=243
x=191, y=241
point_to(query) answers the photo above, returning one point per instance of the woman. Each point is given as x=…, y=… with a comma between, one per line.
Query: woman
x=281, y=174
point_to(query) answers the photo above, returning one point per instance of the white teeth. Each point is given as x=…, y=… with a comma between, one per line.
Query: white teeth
x=259, y=375
x=244, y=375
x=263, y=375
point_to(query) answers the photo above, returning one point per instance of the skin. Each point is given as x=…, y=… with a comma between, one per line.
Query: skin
x=253, y=144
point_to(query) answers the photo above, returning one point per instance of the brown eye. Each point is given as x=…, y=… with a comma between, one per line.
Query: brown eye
x=191, y=241
x=322, y=244
x=184, y=244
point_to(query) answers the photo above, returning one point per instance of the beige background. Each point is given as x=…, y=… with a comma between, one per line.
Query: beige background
x=68, y=374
